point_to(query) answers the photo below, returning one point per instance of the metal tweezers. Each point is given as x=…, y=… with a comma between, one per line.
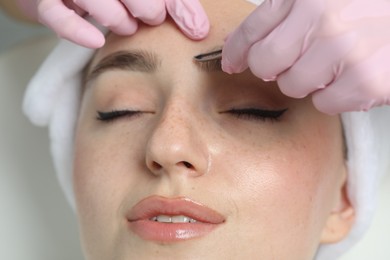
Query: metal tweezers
x=214, y=55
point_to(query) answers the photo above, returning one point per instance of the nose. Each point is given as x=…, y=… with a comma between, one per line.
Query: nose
x=176, y=145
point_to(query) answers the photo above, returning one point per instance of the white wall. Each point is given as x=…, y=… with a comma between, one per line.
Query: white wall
x=12, y=32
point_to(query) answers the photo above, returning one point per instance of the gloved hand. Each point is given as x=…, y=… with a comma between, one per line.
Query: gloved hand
x=339, y=51
x=65, y=17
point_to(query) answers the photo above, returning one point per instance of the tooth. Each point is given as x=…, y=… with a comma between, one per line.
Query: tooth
x=180, y=219
x=173, y=219
x=164, y=219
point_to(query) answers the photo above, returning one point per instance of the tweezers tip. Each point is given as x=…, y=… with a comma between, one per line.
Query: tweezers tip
x=198, y=57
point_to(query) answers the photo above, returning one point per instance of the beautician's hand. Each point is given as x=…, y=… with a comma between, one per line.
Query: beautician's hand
x=65, y=17
x=337, y=50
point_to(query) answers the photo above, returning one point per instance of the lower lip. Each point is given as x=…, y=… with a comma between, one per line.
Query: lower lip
x=170, y=232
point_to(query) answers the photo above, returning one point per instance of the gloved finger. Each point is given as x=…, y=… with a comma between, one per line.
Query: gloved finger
x=67, y=24
x=190, y=17
x=321, y=64
x=255, y=27
x=111, y=14
x=71, y=5
x=359, y=88
x=285, y=44
x=152, y=12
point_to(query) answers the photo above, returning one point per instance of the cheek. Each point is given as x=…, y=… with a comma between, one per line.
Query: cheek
x=288, y=184
x=92, y=188
x=279, y=180
x=304, y=163
x=105, y=171
x=102, y=167
x=103, y=163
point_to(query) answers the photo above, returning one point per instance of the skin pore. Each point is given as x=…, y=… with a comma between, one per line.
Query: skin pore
x=154, y=122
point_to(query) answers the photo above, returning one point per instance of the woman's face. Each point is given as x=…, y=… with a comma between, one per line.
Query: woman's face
x=252, y=173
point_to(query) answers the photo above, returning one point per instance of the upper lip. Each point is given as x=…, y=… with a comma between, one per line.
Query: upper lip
x=156, y=205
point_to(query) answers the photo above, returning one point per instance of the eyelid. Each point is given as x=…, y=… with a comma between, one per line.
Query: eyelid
x=116, y=114
x=257, y=113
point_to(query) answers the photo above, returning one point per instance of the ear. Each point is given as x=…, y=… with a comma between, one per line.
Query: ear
x=340, y=219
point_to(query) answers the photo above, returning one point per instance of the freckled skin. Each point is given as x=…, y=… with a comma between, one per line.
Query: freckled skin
x=273, y=181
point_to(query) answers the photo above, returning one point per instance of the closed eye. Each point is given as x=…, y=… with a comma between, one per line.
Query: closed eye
x=257, y=114
x=115, y=114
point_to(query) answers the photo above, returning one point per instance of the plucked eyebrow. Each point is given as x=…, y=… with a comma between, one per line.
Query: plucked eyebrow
x=137, y=61
x=210, y=65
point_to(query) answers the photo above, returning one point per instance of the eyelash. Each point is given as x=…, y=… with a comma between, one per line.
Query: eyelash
x=257, y=114
x=115, y=114
x=245, y=113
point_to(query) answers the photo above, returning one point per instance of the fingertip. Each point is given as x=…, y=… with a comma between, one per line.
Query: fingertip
x=191, y=18
x=128, y=26
x=196, y=34
x=149, y=11
x=235, y=53
x=199, y=34
x=328, y=106
x=291, y=86
x=325, y=109
x=226, y=67
x=233, y=62
x=230, y=68
x=154, y=18
x=89, y=38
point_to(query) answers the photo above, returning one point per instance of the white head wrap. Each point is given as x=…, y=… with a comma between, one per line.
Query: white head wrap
x=53, y=98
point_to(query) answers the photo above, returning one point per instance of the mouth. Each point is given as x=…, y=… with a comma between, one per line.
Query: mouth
x=171, y=220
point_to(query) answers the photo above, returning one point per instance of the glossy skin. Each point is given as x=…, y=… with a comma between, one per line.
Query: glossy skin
x=278, y=183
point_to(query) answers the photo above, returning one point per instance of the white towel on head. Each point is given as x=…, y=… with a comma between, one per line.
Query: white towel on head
x=363, y=180
x=59, y=69
x=53, y=99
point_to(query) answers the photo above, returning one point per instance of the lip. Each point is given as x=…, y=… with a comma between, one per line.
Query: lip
x=139, y=219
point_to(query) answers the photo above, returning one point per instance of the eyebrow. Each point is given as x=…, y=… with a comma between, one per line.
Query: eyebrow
x=137, y=61
x=212, y=65
x=141, y=61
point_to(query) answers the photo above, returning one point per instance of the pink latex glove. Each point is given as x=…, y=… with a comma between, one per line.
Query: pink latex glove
x=65, y=17
x=337, y=50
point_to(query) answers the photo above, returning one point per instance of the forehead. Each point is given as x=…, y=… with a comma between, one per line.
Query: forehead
x=168, y=39
x=176, y=50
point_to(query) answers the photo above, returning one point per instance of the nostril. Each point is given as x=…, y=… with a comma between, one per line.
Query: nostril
x=156, y=166
x=188, y=165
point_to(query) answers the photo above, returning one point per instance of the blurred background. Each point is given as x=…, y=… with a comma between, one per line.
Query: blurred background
x=36, y=223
